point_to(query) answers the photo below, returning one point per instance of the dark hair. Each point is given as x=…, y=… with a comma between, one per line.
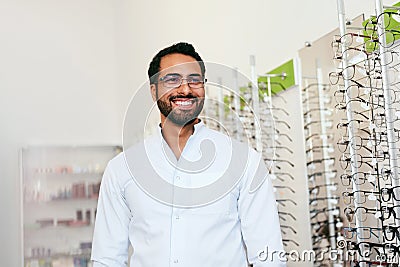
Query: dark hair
x=179, y=48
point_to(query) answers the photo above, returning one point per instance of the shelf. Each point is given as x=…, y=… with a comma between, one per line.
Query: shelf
x=38, y=228
x=59, y=193
x=84, y=254
x=60, y=201
x=63, y=175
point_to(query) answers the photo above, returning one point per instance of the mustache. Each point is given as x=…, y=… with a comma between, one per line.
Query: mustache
x=171, y=98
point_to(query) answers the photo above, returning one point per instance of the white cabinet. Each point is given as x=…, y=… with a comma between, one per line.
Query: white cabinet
x=60, y=187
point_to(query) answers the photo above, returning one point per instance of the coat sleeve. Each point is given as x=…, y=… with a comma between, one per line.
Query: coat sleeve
x=259, y=218
x=111, y=232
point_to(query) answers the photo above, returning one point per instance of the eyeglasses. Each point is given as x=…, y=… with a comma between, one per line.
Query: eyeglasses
x=362, y=103
x=275, y=121
x=312, y=110
x=359, y=125
x=284, y=187
x=328, y=123
x=350, y=72
x=388, y=212
x=349, y=38
x=390, y=56
x=358, y=178
x=390, y=20
x=329, y=174
x=288, y=227
x=315, y=189
x=318, y=136
x=363, y=247
x=322, y=214
x=311, y=164
x=387, y=193
x=283, y=201
x=318, y=239
x=174, y=81
x=361, y=232
x=286, y=241
x=326, y=99
x=314, y=201
x=280, y=160
x=358, y=160
x=356, y=142
x=267, y=111
x=361, y=213
x=284, y=148
x=352, y=52
x=390, y=232
x=280, y=174
x=356, y=91
x=328, y=148
x=283, y=215
x=359, y=196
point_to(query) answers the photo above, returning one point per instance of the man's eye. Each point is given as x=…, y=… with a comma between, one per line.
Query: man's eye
x=172, y=79
x=194, y=80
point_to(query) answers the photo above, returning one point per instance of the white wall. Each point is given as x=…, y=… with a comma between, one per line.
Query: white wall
x=69, y=67
x=57, y=86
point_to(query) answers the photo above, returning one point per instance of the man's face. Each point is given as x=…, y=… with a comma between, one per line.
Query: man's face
x=182, y=104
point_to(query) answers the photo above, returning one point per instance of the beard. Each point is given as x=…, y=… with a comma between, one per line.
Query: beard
x=179, y=116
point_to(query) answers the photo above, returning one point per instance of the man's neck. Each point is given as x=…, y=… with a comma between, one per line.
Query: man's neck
x=176, y=136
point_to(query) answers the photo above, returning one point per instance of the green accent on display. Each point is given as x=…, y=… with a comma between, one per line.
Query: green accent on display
x=392, y=29
x=228, y=100
x=278, y=83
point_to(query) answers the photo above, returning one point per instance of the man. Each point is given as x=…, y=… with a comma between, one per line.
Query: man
x=212, y=204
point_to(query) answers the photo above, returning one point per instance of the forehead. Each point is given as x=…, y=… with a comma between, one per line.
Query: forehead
x=179, y=63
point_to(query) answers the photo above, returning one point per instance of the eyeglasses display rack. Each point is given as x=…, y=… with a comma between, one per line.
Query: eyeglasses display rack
x=279, y=139
x=60, y=187
x=361, y=76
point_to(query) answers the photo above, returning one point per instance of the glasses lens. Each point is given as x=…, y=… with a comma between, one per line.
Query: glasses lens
x=348, y=72
x=195, y=82
x=333, y=78
x=345, y=179
x=339, y=96
x=356, y=160
x=364, y=232
x=385, y=213
x=342, y=145
x=347, y=198
x=359, y=178
x=348, y=232
x=353, y=91
x=171, y=81
x=359, y=197
x=356, y=142
x=349, y=214
x=396, y=193
x=385, y=194
x=361, y=213
x=389, y=233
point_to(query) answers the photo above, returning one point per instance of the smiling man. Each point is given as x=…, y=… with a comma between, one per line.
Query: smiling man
x=180, y=100
x=178, y=200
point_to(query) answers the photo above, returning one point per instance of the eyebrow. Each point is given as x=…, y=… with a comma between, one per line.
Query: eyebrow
x=178, y=74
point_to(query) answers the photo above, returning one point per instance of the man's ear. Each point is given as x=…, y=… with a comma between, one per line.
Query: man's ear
x=153, y=89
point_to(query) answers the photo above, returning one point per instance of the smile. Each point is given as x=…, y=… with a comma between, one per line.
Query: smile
x=184, y=103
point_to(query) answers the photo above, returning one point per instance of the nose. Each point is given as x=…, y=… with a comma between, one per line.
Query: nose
x=184, y=87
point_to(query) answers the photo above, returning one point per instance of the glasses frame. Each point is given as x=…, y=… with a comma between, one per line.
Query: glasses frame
x=189, y=81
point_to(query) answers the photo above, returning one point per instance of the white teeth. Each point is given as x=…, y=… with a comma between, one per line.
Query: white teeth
x=183, y=103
